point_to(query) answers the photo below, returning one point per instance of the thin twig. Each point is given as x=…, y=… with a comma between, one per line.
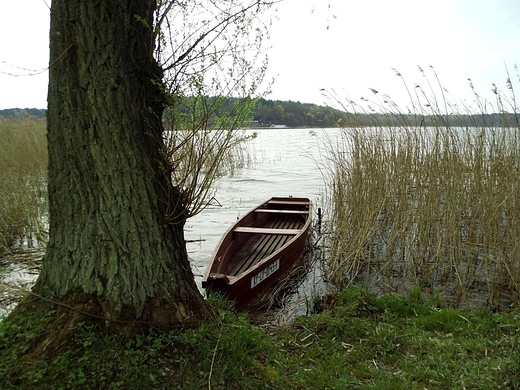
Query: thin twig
x=213, y=358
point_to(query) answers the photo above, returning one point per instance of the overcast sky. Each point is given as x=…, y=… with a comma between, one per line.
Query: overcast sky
x=350, y=47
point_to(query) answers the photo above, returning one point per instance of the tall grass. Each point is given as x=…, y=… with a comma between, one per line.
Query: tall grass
x=199, y=154
x=23, y=181
x=419, y=201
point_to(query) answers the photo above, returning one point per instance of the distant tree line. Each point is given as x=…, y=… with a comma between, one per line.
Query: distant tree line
x=263, y=113
x=22, y=113
x=266, y=113
x=451, y=120
x=295, y=114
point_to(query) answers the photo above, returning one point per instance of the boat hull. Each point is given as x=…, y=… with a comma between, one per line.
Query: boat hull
x=259, y=249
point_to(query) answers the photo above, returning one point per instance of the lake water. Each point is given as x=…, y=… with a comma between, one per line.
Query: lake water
x=288, y=162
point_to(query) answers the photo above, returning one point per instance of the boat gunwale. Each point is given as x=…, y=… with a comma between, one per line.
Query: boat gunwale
x=251, y=271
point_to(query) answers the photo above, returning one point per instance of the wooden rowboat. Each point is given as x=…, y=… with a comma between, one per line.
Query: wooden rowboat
x=259, y=249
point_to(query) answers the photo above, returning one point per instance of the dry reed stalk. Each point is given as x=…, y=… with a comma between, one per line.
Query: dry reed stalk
x=23, y=165
x=433, y=206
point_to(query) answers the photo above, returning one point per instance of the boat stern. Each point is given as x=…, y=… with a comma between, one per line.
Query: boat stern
x=216, y=282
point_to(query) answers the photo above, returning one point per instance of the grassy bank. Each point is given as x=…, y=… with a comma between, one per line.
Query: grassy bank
x=23, y=181
x=361, y=342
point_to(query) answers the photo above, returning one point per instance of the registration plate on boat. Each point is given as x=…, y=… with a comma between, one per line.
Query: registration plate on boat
x=265, y=273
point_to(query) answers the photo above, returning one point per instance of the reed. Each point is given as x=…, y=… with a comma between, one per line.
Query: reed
x=418, y=201
x=23, y=181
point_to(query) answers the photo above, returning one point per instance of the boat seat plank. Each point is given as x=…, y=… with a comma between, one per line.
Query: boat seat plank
x=288, y=202
x=270, y=231
x=277, y=211
x=264, y=246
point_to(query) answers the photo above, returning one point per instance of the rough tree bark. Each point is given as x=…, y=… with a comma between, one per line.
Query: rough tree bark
x=116, y=245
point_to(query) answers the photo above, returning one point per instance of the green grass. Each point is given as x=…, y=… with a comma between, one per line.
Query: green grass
x=360, y=341
x=397, y=342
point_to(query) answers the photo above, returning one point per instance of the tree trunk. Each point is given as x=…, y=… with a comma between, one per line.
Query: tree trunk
x=116, y=221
